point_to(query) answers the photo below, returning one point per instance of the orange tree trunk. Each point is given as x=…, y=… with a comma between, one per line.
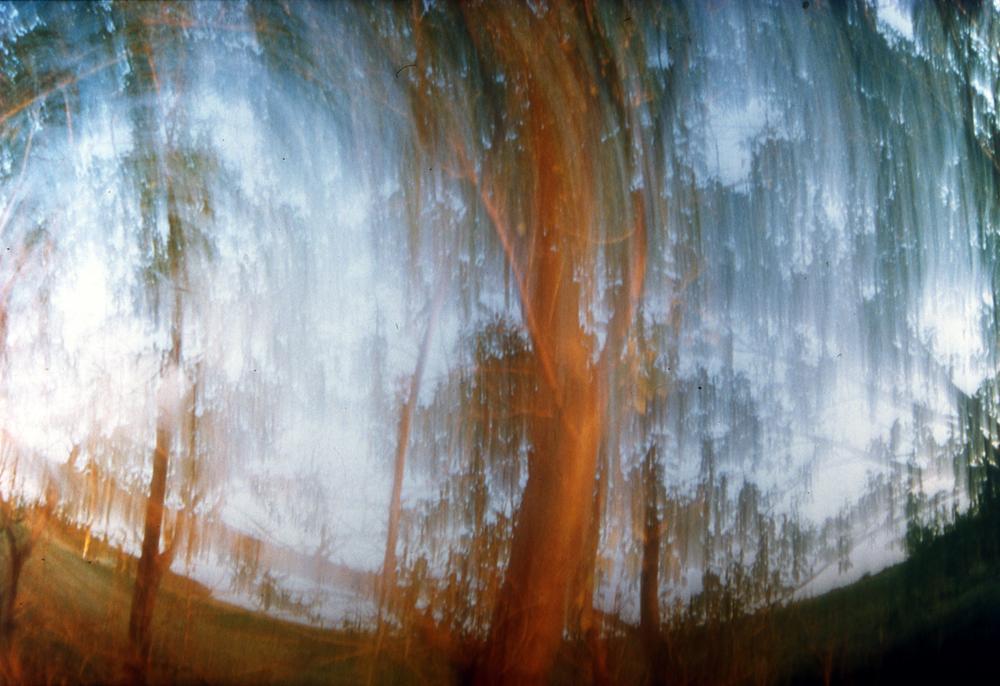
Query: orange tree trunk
x=566, y=426
x=554, y=183
x=548, y=542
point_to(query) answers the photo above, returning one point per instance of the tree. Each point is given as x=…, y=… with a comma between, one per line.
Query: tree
x=167, y=176
x=387, y=582
x=22, y=523
x=553, y=193
x=649, y=589
x=402, y=444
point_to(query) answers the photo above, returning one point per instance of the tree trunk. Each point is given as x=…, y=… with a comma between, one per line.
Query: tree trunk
x=565, y=431
x=17, y=555
x=151, y=561
x=147, y=578
x=18, y=552
x=587, y=625
x=548, y=543
x=649, y=582
x=388, y=580
x=547, y=198
x=387, y=584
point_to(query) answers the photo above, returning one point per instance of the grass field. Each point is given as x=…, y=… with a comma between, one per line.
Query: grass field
x=73, y=618
x=936, y=616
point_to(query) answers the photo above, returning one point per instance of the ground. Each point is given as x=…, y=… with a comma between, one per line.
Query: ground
x=934, y=617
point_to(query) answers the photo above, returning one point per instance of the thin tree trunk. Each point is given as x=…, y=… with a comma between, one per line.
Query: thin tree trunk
x=147, y=578
x=649, y=581
x=388, y=581
x=387, y=584
x=17, y=555
x=151, y=561
x=586, y=622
